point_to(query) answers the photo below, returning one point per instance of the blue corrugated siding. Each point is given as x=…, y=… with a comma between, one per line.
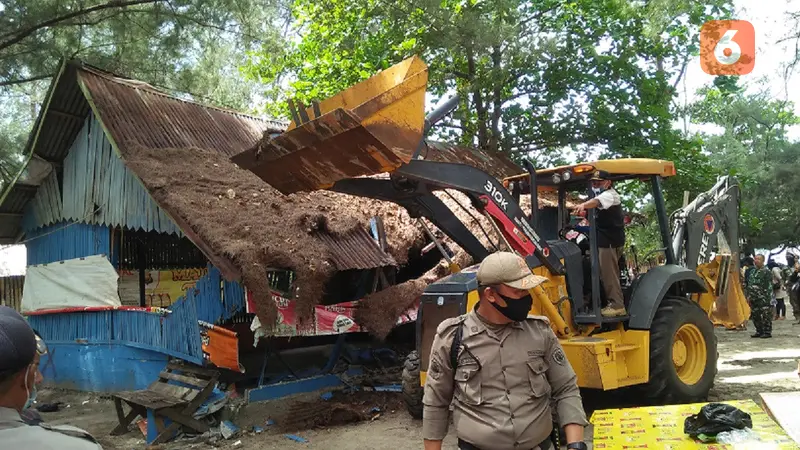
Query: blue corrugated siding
x=217, y=299
x=98, y=188
x=62, y=241
x=45, y=208
x=178, y=333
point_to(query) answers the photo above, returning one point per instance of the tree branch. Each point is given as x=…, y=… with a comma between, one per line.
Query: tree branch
x=14, y=82
x=22, y=34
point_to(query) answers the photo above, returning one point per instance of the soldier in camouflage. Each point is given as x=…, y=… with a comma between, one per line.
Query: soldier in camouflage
x=759, y=294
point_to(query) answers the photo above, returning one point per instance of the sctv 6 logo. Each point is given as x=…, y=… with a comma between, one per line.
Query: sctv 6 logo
x=727, y=47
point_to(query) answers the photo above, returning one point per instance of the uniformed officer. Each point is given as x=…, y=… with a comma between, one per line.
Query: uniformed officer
x=509, y=368
x=19, y=372
x=759, y=293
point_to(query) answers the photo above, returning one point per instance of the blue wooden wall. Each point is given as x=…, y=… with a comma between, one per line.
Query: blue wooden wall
x=176, y=334
x=97, y=188
x=63, y=241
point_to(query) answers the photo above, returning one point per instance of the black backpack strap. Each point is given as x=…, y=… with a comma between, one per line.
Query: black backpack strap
x=455, y=347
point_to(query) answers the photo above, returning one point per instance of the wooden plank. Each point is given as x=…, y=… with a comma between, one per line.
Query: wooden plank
x=209, y=373
x=173, y=391
x=782, y=407
x=184, y=419
x=191, y=381
x=149, y=399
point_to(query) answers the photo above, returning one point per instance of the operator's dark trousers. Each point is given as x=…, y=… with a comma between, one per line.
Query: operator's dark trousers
x=609, y=273
x=780, y=308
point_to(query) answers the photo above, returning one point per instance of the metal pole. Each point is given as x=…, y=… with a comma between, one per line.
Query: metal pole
x=661, y=210
x=435, y=241
x=439, y=113
x=534, y=193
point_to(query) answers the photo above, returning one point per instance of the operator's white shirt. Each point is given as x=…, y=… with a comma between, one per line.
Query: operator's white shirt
x=608, y=198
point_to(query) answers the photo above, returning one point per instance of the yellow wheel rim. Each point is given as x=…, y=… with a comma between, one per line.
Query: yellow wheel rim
x=689, y=353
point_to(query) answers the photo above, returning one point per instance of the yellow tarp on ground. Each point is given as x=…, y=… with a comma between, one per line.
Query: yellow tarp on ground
x=661, y=427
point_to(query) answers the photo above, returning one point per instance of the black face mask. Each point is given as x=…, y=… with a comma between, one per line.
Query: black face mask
x=516, y=309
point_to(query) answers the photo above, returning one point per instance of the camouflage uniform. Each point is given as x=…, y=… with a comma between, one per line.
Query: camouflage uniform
x=759, y=293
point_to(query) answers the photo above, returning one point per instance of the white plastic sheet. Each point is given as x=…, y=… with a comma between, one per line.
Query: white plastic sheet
x=80, y=282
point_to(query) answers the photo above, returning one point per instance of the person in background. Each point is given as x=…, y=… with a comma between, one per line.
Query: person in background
x=791, y=275
x=778, y=290
x=759, y=294
x=19, y=371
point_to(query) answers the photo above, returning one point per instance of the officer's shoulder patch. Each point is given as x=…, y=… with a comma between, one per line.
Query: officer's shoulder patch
x=559, y=357
x=540, y=318
x=450, y=323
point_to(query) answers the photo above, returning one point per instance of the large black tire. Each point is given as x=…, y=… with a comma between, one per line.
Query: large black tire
x=412, y=390
x=666, y=385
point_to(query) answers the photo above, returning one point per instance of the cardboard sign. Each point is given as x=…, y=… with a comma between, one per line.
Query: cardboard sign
x=661, y=427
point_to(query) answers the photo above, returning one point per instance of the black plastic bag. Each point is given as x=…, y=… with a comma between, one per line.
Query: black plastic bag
x=714, y=418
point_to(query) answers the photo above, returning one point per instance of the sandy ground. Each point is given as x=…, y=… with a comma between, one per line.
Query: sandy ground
x=746, y=368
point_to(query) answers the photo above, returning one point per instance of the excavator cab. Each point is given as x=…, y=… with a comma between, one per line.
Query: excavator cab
x=665, y=346
x=574, y=182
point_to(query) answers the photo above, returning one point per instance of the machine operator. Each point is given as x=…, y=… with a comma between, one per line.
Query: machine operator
x=507, y=372
x=610, y=239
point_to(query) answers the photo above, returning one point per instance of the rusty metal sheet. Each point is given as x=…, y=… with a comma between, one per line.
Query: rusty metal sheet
x=356, y=250
x=320, y=152
x=137, y=114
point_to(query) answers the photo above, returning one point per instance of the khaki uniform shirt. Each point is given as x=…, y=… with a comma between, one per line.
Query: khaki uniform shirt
x=16, y=434
x=503, y=386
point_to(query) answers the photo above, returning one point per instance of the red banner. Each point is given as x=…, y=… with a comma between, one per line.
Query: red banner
x=328, y=319
x=336, y=319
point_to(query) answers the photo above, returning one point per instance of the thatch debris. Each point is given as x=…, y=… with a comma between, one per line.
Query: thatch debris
x=254, y=227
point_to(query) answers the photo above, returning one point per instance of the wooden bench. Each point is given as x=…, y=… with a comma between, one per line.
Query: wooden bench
x=174, y=396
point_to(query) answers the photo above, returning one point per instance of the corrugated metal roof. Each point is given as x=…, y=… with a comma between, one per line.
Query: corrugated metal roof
x=16, y=200
x=135, y=114
x=497, y=165
x=356, y=250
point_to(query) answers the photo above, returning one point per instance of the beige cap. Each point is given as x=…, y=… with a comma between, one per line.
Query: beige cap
x=509, y=269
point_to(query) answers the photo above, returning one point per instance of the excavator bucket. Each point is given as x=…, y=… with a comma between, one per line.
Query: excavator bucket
x=730, y=308
x=372, y=127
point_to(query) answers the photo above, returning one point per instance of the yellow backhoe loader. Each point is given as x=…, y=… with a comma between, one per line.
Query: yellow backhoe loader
x=666, y=344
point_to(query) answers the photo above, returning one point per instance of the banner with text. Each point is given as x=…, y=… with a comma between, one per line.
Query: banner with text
x=328, y=319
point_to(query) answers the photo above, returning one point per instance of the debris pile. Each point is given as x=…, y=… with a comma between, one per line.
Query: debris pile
x=249, y=225
x=340, y=408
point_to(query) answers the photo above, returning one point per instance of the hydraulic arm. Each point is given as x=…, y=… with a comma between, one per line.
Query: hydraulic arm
x=413, y=184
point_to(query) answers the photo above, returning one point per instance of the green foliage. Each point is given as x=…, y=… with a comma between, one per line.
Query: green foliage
x=188, y=46
x=754, y=147
x=645, y=235
x=535, y=77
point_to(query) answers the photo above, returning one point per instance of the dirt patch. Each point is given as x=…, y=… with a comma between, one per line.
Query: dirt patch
x=343, y=408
